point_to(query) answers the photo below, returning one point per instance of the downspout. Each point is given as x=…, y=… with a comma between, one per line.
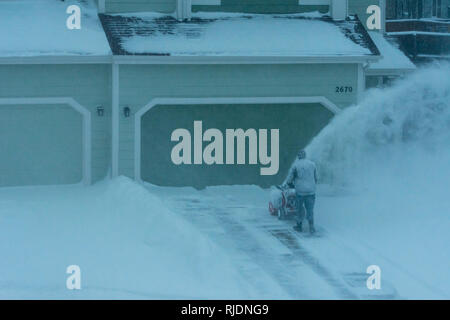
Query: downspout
x=362, y=67
x=383, y=16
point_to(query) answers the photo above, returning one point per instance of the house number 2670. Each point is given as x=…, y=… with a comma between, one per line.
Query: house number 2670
x=343, y=89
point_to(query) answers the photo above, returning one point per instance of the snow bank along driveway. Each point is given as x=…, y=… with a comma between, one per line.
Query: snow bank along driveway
x=126, y=242
x=216, y=243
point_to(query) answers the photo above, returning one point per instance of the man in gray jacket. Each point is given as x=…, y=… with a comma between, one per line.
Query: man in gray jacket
x=303, y=176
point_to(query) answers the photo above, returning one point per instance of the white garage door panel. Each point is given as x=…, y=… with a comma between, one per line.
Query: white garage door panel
x=40, y=145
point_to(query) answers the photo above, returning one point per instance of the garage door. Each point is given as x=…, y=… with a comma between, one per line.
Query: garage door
x=166, y=159
x=40, y=145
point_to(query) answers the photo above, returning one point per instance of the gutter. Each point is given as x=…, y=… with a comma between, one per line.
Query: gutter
x=388, y=72
x=414, y=33
x=106, y=59
x=147, y=59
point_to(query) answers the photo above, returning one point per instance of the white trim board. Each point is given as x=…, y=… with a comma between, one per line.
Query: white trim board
x=115, y=121
x=414, y=33
x=86, y=125
x=387, y=72
x=57, y=60
x=361, y=83
x=193, y=101
x=125, y=59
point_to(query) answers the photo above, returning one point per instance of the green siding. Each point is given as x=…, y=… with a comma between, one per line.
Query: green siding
x=89, y=85
x=359, y=7
x=166, y=6
x=139, y=84
x=262, y=6
x=248, y=6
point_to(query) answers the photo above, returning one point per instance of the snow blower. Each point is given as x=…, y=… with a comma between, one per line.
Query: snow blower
x=283, y=202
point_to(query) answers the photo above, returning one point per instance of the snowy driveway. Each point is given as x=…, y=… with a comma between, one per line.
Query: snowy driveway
x=150, y=242
x=268, y=250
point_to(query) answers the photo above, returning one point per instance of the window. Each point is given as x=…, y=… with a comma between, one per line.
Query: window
x=410, y=10
x=314, y=2
x=434, y=11
x=391, y=10
x=437, y=8
x=420, y=9
x=206, y=2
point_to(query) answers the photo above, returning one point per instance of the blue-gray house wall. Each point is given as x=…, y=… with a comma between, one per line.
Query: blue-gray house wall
x=112, y=139
x=141, y=85
x=43, y=85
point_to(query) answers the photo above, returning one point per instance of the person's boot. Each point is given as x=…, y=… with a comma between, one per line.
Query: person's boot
x=298, y=227
x=312, y=230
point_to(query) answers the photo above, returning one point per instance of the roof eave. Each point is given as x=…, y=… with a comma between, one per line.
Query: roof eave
x=388, y=71
x=62, y=59
x=147, y=59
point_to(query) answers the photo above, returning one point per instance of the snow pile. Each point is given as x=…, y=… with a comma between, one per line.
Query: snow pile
x=407, y=124
x=243, y=35
x=392, y=152
x=393, y=58
x=38, y=27
x=127, y=244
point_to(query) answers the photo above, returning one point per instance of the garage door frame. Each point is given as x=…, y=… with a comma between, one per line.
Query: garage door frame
x=86, y=116
x=193, y=101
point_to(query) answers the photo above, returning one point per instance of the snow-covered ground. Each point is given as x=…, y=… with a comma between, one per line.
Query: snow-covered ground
x=234, y=34
x=325, y=266
x=126, y=242
x=216, y=243
x=38, y=28
x=384, y=201
x=392, y=152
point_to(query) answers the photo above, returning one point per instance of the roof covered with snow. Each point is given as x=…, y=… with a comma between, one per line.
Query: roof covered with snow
x=231, y=34
x=392, y=57
x=38, y=28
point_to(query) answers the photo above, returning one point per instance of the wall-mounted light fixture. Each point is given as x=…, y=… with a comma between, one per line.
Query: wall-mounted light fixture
x=126, y=111
x=100, y=111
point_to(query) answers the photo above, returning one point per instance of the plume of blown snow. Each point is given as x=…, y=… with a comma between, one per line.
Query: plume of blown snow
x=396, y=135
